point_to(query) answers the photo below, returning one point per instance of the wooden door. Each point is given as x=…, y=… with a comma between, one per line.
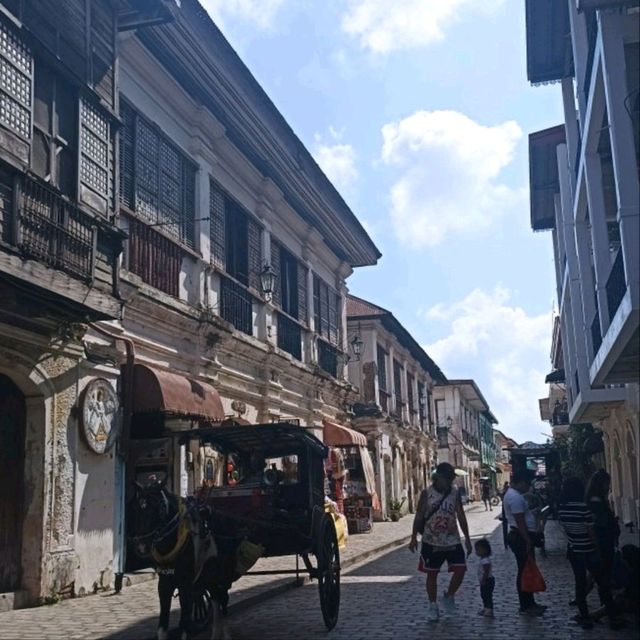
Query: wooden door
x=12, y=435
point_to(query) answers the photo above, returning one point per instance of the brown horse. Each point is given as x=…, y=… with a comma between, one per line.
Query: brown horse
x=174, y=534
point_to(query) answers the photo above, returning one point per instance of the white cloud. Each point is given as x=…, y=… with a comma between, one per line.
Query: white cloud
x=449, y=169
x=337, y=159
x=383, y=26
x=261, y=13
x=504, y=349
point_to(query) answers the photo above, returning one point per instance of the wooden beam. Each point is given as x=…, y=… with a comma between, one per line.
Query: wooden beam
x=94, y=300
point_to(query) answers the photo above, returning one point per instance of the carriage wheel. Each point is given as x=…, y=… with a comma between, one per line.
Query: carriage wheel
x=329, y=572
x=201, y=611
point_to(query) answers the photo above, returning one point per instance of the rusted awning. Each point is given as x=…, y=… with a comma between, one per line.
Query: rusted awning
x=155, y=390
x=337, y=435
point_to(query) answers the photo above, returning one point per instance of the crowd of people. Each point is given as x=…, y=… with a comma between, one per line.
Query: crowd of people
x=591, y=529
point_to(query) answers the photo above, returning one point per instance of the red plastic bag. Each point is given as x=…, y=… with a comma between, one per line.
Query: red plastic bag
x=531, y=580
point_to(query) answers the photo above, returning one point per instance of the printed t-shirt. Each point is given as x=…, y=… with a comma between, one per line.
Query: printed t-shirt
x=515, y=503
x=441, y=530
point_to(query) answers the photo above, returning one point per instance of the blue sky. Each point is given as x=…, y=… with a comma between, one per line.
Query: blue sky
x=419, y=112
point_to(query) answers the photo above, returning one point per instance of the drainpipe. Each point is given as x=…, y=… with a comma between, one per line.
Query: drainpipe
x=127, y=411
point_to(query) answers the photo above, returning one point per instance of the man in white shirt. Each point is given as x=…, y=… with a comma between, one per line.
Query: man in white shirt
x=522, y=532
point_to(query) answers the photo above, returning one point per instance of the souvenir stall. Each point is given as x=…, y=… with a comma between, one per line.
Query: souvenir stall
x=351, y=476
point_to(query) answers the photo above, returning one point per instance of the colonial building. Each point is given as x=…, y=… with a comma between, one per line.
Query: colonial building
x=459, y=409
x=503, y=465
x=488, y=468
x=584, y=189
x=171, y=256
x=395, y=378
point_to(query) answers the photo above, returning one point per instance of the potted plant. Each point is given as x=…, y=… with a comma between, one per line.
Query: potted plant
x=395, y=507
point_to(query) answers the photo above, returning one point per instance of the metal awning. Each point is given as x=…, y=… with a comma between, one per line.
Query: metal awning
x=156, y=390
x=544, y=181
x=337, y=435
x=555, y=376
x=549, y=53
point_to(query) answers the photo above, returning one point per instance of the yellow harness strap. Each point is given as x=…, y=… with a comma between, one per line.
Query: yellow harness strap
x=183, y=534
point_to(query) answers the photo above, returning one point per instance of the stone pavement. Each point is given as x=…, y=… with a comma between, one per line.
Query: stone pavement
x=385, y=600
x=133, y=612
x=382, y=597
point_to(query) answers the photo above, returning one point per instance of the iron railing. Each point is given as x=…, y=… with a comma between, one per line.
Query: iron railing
x=616, y=285
x=54, y=230
x=153, y=257
x=328, y=358
x=289, y=336
x=236, y=305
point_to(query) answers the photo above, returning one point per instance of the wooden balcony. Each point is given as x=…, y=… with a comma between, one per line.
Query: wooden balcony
x=51, y=243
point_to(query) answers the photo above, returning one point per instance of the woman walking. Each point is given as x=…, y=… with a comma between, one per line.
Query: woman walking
x=577, y=520
x=607, y=533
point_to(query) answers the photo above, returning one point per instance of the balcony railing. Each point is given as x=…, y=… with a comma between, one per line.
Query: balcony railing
x=616, y=285
x=596, y=333
x=289, y=336
x=55, y=231
x=236, y=305
x=328, y=358
x=154, y=257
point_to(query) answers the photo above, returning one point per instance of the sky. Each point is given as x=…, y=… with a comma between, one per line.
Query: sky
x=419, y=112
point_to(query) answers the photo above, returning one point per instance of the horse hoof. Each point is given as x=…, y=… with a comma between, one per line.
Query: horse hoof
x=163, y=634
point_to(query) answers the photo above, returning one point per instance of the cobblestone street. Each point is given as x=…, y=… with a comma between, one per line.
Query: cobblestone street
x=382, y=597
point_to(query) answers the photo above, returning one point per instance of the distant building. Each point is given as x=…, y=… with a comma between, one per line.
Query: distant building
x=585, y=189
x=460, y=408
x=395, y=378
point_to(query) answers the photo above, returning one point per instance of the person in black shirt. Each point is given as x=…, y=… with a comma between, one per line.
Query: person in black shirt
x=577, y=521
x=606, y=535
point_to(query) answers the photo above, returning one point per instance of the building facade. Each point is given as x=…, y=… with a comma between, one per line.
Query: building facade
x=584, y=189
x=459, y=405
x=503, y=464
x=395, y=378
x=171, y=255
x=488, y=468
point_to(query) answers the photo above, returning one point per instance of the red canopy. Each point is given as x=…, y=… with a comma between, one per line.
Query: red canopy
x=337, y=435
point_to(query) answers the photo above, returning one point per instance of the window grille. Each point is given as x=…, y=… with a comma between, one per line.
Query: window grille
x=382, y=368
x=326, y=302
x=157, y=179
x=236, y=305
x=303, y=313
x=16, y=74
x=289, y=336
x=94, y=148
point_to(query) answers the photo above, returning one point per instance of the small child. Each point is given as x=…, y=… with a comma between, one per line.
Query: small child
x=485, y=577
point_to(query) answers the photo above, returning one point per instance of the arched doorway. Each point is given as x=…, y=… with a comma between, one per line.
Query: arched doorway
x=12, y=440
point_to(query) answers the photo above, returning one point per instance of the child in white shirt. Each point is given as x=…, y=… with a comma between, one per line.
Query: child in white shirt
x=485, y=577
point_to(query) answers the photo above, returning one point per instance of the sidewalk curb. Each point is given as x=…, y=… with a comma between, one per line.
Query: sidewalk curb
x=272, y=592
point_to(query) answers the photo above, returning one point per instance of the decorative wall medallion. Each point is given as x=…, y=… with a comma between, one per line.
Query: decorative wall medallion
x=239, y=407
x=100, y=415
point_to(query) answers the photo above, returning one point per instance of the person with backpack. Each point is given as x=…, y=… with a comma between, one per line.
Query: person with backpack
x=437, y=516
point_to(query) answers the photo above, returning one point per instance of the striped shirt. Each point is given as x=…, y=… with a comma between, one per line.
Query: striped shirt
x=576, y=519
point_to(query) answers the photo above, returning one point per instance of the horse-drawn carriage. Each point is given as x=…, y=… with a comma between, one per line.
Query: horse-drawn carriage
x=270, y=497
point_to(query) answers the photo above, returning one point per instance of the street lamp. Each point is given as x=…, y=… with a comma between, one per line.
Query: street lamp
x=268, y=279
x=356, y=346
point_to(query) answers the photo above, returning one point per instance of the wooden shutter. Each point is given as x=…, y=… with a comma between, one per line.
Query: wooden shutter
x=16, y=79
x=254, y=242
x=95, y=157
x=302, y=294
x=275, y=265
x=189, y=210
x=146, y=175
x=332, y=297
x=217, y=226
x=127, y=138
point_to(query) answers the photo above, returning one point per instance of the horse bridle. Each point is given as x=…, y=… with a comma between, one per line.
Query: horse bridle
x=162, y=531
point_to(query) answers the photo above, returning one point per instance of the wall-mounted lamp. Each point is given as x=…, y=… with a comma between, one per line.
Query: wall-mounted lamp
x=268, y=280
x=356, y=346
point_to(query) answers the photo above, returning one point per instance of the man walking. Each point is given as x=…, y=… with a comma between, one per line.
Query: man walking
x=486, y=496
x=437, y=516
x=522, y=534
